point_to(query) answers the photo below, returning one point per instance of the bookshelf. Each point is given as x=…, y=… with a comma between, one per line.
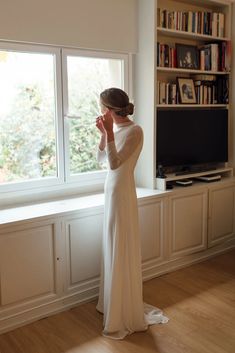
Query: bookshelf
x=148, y=73
x=198, y=106
x=184, y=34
x=190, y=71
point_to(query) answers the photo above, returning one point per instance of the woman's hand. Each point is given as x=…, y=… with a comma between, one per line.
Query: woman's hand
x=107, y=121
x=108, y=126
x=105, y=125
x=100, y=126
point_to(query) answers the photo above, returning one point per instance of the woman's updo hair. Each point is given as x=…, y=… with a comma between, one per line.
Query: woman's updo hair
x=118, y=100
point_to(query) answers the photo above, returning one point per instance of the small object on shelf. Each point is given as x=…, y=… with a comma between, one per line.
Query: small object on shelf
x=209, y=178
x=184, y=182
x=169, y=185
x=160, y=172
x=161, y=184
x=186, y=90
x=187, y=56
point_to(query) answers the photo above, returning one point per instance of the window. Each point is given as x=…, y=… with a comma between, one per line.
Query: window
x=47, y=114
x=28, y=116
x=86, y=75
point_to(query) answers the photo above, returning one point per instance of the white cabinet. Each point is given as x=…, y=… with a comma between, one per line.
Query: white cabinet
x=221, y=214
x=152, y=228
x=28, y=261
x=49, y=264
x=187, y=222
x=83, y=237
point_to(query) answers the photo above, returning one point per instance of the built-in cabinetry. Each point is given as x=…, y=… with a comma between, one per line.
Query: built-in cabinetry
x=152, y=219
x=51, y=263
x=187, y=219
x=30, y=270
x=83, y=235
x=221, y=208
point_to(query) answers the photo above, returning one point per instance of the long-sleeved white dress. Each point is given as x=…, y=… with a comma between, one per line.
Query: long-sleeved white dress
x=120, y=297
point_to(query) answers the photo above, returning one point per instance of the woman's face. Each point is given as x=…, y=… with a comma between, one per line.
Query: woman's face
x=103, y=108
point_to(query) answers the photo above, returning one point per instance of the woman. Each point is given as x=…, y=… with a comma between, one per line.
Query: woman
x=120, y=298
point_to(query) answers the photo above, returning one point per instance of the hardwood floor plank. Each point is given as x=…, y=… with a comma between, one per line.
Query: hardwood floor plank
x=199, y=300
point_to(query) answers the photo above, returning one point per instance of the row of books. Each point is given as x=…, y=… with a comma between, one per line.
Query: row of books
x=202, y=22
x=215, y=57
x=166, y=55
x=208, y=90
x=212, y=57
x=205, y=94
x=167, y=93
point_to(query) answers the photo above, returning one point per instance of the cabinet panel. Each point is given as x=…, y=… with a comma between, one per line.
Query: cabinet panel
x=151, y=218
x=27, y=262
x=83, y=248
x=221, y=215
x=187, y=223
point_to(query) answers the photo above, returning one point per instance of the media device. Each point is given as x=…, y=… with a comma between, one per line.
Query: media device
x=188, y=138
x=185, y=182
x=209, y=178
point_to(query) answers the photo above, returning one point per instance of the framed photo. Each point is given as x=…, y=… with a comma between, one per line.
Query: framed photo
x=187, y=56
x=186, y=90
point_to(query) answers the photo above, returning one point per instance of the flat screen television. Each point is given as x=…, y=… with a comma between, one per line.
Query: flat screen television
x=192, y=137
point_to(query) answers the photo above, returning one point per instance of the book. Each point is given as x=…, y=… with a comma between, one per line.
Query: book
x=220, y=30
x=202, y=22
x=162, y=93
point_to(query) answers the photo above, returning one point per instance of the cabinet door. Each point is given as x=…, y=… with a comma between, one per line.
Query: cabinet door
x=187, y=223
x=151, y=218
x=221, y=214
x=83, y=251
x=28, y=263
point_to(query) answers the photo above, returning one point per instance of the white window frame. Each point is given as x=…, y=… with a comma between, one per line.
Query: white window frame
x=95, y=177
x=63, y=184
x=48, y=181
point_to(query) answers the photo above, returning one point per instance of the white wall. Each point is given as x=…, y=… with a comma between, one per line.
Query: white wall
x=93, y=24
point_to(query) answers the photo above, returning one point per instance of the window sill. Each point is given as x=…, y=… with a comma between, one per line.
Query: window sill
x=61, y=207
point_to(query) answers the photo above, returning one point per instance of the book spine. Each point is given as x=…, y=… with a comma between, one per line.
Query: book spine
x=174, y=92
x=228, y=55
x=214, y=57
x=162, y=94
x=221, y=25
x=214, y=25
x=158, y=92
x=190, y=21
x=202, y=60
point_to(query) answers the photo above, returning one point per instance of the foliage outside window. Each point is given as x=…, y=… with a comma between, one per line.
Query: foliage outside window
x=27, y=117
x=33, y=116
x=87, y=77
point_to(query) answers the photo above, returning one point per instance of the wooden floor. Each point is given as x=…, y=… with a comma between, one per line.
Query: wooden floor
x=199, y=301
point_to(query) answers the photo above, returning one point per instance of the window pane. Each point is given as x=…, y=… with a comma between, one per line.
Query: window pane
x=27, y=116
x=87, y=78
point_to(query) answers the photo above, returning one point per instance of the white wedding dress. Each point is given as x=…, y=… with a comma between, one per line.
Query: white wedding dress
x=120, y=297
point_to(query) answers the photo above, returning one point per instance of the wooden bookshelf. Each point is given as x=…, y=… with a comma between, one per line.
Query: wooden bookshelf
x=189, y=35
x=148, y=73
x=190, y=71
x=180, y=106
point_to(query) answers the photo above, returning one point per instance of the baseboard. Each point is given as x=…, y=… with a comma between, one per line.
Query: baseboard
x=64, y=303
x=185, y=261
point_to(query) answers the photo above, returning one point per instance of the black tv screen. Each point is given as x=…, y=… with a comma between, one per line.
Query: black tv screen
x=189, y=137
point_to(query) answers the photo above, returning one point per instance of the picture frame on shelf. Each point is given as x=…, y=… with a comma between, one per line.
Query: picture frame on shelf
x=187, y=56
x=186, y=90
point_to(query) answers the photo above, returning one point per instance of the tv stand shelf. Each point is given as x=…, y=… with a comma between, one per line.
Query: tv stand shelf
x=161, y=183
